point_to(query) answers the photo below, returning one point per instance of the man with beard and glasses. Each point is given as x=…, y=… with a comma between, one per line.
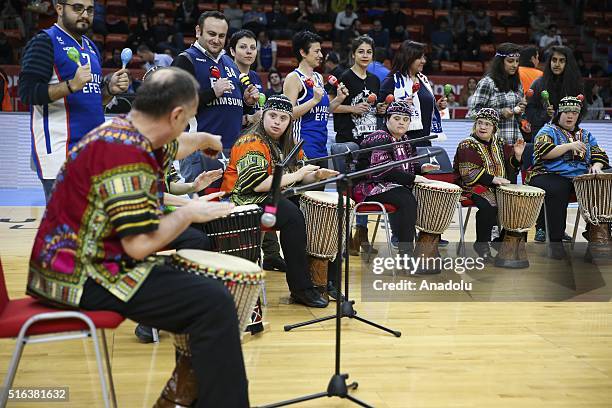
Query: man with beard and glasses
x=66, y=99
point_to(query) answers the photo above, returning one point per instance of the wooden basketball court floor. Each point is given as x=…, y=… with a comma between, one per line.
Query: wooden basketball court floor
x=451, y=354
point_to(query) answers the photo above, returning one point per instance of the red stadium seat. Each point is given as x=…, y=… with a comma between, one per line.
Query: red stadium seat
x=324, y=28
x=364, y=28
x=472, y=67
x=423, y=16
x=207, y=7
x=286, y=64
x=449, y=67
x=499, y=34
x=518, y=35
x=327, y=46
x=415, y=32
x=113, y=41
x=164, y=7
x=116, y=7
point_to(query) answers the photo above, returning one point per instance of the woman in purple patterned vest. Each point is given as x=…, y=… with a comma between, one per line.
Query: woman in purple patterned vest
x=393, y=186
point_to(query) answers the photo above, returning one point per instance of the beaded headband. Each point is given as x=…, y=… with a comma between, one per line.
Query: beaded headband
x=279, y=103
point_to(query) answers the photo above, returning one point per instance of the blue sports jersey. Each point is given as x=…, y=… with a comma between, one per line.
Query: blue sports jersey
x=222, y=116
x=312, y=126
x=59, y=125
x=255, y=80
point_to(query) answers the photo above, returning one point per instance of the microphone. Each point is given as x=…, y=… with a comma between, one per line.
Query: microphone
x=245, y=80
x=268, y=218
x=215, y=72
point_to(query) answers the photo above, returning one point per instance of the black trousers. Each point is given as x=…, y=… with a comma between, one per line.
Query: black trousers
x=181, y=302
x=270, y=245
x=292, y=225
x=193, y=237
x=404, y=218
x=558, y=190
x=486, y=218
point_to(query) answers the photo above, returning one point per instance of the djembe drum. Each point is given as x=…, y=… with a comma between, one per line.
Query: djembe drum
x=436, y=204
x=594, y=194
x=321, y=214
x=518, y=207
x=239, y=234
x=243, y=280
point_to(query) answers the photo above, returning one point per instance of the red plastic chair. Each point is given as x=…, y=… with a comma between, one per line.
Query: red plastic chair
x=27, y=319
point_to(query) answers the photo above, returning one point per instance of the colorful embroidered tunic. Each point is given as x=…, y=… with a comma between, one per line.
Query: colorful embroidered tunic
x=109, y=187
x=477, y=162
x=252, y=160
x=388, y=179
x=567, y=165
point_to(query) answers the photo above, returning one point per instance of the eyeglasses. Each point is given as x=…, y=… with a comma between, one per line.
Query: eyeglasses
x=80, y=8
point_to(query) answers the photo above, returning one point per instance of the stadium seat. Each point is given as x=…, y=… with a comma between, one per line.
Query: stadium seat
x=487, y=51
x=113, y=41
x=164, y=7
x=499, y=34
x=415, y=32
x=202, y=7
x=517, y=35
x=472, y=67
x=323, y=28
x=449, y=67
x=118, y=7
x=424, y=16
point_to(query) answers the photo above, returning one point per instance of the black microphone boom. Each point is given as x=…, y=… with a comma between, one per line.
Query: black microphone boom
x=268, y=218
x=369, y=149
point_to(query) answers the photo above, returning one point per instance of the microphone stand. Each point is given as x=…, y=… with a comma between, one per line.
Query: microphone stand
x=368, y=149
x=337, y=386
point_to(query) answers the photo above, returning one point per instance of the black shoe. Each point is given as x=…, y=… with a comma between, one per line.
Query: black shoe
x=144, y=333
x=443, y=243
x=310, y=297
x=332, y=291
x=484, y=251
x=567, y=238
x=275, y=263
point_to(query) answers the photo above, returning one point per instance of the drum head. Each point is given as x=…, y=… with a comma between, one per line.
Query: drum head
x=520, y=189
x=585, y=177
x=327, y=197
x=244, y=208
x=439, y=185
x=219, y=261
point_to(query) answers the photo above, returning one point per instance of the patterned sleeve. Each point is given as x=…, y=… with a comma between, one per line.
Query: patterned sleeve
x=470, y=166
x=543, y=144
x=129, y=195
x=252, y=166
x=598, y=155
x=482, y=96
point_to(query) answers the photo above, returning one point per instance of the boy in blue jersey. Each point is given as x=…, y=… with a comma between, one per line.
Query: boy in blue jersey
x=222, y=98
x=305, y=89
x=65, y=98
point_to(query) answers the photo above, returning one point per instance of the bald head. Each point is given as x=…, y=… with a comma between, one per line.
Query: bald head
x=164, y=90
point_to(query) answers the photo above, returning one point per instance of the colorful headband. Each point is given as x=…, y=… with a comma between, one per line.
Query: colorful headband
x=398, y=108
x=512, y=54
x=488, y=114
x=570, y=104
x=279, y=103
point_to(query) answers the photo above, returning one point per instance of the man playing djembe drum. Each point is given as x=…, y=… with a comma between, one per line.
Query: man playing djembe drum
x=482, y=162
x=93, y=248
x=562, y=152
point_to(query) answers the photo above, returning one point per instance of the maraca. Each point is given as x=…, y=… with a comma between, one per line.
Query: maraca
x=372, y=99
x=580, y=97
x=545, y=96
x=245, y=80
x=529, y=93
x=74, y=55
x=333, y=81
x=309, y=82
x=126, y=57
x=390, y=98
x=261, y=100
x=448, y=89
x=215, y=72
x=415, y=87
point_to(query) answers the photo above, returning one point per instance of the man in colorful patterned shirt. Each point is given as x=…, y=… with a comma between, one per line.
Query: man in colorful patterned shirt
x=95, y=253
